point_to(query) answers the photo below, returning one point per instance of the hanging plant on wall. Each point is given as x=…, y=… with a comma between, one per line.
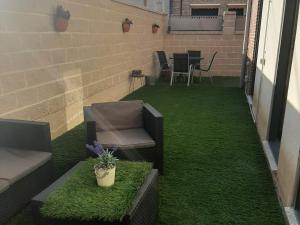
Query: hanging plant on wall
x=126, y=25
x=61, y=19
x=155, y=28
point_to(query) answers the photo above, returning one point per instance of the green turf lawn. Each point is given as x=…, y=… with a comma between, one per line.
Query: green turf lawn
x=215, y=169
x=81, y=199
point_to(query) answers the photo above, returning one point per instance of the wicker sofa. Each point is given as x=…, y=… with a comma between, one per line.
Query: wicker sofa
x=134, y=127
x=25, y=163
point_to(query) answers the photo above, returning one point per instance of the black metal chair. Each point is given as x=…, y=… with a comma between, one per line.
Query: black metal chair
x=163, y=60
x=194, y=61
x=181, y=67
x=163, y=63
x=136, y=75
x=208, y=67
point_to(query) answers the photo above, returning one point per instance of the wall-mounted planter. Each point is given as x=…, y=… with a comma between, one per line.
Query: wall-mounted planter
x=61, y=24
x=126, y=25
x=61, y=19
x=155, y=28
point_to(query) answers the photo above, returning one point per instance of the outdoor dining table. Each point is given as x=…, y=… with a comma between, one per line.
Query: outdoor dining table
x=192, y=58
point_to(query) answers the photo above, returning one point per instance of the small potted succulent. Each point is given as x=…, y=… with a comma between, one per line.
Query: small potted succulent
x=155, y=28
x=105, y=168
x=61, y=19
x=126, y=25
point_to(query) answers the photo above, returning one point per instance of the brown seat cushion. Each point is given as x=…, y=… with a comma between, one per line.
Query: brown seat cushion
x=118, y=115
x=125, y=139
x=17, y=163
x=4, y=185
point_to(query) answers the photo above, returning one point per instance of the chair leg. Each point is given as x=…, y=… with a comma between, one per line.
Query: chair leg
x=172, y=77
x=211, y=79
x=133, y=84
x=189, y=75
x=189, y=79
x=193, y=77
x=130, y=85
x=193, y=71
x=192, y=74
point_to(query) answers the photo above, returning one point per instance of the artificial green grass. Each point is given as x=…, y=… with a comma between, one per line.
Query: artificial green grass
x=215, y=169
x=68, y=149
x=81, y=199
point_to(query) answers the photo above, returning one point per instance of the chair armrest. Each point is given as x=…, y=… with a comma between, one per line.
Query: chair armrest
x=28, y=135
x=153, y=121
x=153, y=124
x=90, y=124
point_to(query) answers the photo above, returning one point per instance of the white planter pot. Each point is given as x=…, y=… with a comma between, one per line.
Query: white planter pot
x=105, y=178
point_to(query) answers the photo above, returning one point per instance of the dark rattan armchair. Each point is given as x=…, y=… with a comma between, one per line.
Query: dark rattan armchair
x=135, y=128
x=164, y=67
x=25, y=163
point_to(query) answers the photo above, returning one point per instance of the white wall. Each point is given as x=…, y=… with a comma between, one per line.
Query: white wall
x=290, y=144
x=270, y=37
x=265, y=74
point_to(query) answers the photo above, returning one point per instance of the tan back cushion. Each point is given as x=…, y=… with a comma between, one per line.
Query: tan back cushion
x=118, y=115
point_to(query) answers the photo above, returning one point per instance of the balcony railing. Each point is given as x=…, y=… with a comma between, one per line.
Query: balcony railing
x=240, y=23
x=195, y=23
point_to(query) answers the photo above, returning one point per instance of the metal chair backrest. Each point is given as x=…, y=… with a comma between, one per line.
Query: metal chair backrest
x=194, y=57
x=162, y=59
x=181, y=62
x=212, y=60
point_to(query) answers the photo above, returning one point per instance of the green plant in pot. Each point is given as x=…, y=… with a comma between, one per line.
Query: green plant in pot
x=61, y=19
x=105, y=168
x=126, y=25
x=155, y=28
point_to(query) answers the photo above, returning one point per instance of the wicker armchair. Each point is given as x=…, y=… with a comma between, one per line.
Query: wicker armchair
x=25, y=163
x=135, y=128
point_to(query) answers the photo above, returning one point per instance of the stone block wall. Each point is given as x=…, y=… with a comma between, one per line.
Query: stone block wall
x=49, y=76
x=229, y=57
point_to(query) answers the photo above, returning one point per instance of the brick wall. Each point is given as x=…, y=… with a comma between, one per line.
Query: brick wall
x=251, y=64
x=186, y=9
x=252, y=29
x=49, y=76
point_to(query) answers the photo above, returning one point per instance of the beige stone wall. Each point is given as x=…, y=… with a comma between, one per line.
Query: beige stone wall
x=229, y=47
x=186, y=8
x=49, y=76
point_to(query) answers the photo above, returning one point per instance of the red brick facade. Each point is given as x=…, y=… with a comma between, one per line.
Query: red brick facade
x=186, y=5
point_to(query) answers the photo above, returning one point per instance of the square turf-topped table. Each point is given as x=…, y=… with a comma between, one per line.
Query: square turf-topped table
x=75, y=198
